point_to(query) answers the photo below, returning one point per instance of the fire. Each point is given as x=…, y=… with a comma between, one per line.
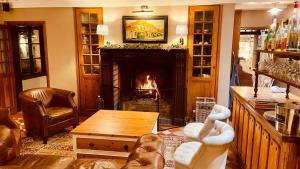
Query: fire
x=150, y=85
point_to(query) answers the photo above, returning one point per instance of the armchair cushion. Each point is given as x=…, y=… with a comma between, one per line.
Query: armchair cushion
x=58, y=114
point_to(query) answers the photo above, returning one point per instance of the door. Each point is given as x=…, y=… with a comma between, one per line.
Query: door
x=88, y=58
x=7, y=94
x=203, y=52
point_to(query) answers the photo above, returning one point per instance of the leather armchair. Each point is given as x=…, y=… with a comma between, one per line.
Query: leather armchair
x=47, y=111
x=10, y=137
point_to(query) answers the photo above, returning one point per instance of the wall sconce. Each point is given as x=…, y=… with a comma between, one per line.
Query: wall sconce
x=182, y=31
x=103, y=30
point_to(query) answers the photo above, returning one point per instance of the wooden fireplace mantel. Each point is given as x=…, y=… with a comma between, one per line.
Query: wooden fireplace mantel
x=177, y=58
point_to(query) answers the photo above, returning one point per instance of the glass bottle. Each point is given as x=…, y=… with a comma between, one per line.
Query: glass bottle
x=284, y=36
x=279, y=36
x=293, y=29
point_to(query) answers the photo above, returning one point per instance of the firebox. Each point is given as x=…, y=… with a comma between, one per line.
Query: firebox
x=152, y=80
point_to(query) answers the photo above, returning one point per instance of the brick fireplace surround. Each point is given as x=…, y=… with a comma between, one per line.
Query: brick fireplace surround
x=121, y=67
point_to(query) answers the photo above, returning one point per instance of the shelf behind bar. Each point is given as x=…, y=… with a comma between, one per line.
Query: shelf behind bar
x=279, y=79
x=283, y=54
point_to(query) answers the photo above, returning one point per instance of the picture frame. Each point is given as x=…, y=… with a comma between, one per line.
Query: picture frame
x=145, y=29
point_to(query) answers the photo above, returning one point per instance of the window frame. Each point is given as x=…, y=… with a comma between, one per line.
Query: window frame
x=29, y=29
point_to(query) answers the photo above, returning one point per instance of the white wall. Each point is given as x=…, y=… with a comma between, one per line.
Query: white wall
x=112, y=16
x=60, y=31
x=34, y=83
x=225, y=54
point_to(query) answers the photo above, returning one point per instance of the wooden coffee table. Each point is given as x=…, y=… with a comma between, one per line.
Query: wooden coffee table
x=112, y=133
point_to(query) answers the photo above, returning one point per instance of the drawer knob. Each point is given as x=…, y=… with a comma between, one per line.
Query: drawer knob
x=126, y=147
x=91, y=145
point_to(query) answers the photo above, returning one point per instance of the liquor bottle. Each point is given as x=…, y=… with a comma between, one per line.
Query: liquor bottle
x=293, y=29
x=284, y=37
x=279, y=36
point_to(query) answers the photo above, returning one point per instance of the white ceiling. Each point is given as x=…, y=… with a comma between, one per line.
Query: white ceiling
x=240, y=4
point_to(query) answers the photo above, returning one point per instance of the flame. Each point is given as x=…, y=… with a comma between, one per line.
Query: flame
x=150, y=85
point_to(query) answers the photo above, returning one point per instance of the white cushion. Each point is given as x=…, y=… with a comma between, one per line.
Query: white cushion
x=219, y=113
x=186, y=153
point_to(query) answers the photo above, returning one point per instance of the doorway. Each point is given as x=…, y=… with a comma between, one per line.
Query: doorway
x=29, y=55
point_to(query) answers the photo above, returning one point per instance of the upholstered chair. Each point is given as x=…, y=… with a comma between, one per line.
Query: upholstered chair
x=196, y=131
x=211, y=153
x=10, y=137
x=47, y=111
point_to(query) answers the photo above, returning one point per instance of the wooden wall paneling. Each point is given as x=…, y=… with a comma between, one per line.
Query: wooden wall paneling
x=264, y=150
x=250, y=141
x=233, y=114
x=7, y=79
x=274, y=152
x=237, y=117
x=288, y=156
x=240, y=131
x=256, y=145
x=245, y=134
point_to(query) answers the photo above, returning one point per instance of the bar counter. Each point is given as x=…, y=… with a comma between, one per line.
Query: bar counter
x=257, y=142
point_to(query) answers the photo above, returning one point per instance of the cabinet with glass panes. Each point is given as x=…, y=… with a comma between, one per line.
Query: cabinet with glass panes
x=203, y=49
x=90, y=43
x=202, y=43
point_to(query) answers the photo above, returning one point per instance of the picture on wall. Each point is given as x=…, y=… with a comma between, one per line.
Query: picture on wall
x=145, y=29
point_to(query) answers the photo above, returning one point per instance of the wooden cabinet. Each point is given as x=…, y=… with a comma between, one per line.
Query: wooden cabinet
x=203, y=52
x=88, y=58
x=259, y=145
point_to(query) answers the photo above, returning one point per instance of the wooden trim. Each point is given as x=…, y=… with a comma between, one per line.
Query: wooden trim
x=77, y=59
x=236, y=32
x=218, y=52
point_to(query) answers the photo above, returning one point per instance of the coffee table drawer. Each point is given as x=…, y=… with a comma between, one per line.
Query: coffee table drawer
x=105, y=144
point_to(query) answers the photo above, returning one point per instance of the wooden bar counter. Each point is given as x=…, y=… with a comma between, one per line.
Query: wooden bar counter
x=258, y=144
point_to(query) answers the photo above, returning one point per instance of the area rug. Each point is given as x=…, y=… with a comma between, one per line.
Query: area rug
x=61, y=145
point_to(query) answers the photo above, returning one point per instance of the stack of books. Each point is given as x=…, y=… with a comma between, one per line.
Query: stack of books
x=265, y=104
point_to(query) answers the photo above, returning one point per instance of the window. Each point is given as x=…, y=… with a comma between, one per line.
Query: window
x=30, y=51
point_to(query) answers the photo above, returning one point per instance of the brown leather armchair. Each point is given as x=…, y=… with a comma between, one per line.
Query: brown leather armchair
x=47, y=111
x=10, y=137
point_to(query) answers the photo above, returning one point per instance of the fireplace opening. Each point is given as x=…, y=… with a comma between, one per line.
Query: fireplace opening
x=147, y=87
x=152, y=80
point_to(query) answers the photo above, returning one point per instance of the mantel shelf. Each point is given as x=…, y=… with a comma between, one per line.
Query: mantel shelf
x=279, y=79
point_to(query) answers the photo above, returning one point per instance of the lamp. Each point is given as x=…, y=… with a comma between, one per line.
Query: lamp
x=103, y=30
x=181, y=30
x=274, y=11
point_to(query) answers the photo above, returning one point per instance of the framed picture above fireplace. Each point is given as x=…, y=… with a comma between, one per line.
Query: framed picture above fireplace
x=145, y=29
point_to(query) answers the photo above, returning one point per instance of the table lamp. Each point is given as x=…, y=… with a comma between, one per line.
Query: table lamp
x=182, y=31
x=103, y=30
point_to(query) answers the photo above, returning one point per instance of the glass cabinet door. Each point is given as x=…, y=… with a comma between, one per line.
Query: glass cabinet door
x=202, y=43
x=90, y=43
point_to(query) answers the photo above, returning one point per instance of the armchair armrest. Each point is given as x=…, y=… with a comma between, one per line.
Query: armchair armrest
x=5, y=118
x=63, y=98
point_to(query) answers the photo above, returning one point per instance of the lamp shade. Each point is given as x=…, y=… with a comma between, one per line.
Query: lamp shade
x=181, y=30
x=102, y=29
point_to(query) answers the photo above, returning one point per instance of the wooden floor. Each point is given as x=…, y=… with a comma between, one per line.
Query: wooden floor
x=232, y=160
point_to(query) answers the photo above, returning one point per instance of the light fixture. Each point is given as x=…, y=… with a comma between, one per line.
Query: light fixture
x=144, y=8
x=182, y=31
x=274, y=11
x=103, y=30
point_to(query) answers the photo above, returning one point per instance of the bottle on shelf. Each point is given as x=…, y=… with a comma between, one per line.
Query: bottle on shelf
x=284, y=37
x=279, y=36
x=293, y=29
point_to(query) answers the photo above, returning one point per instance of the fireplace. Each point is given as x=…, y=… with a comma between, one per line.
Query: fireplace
x=145, y=80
